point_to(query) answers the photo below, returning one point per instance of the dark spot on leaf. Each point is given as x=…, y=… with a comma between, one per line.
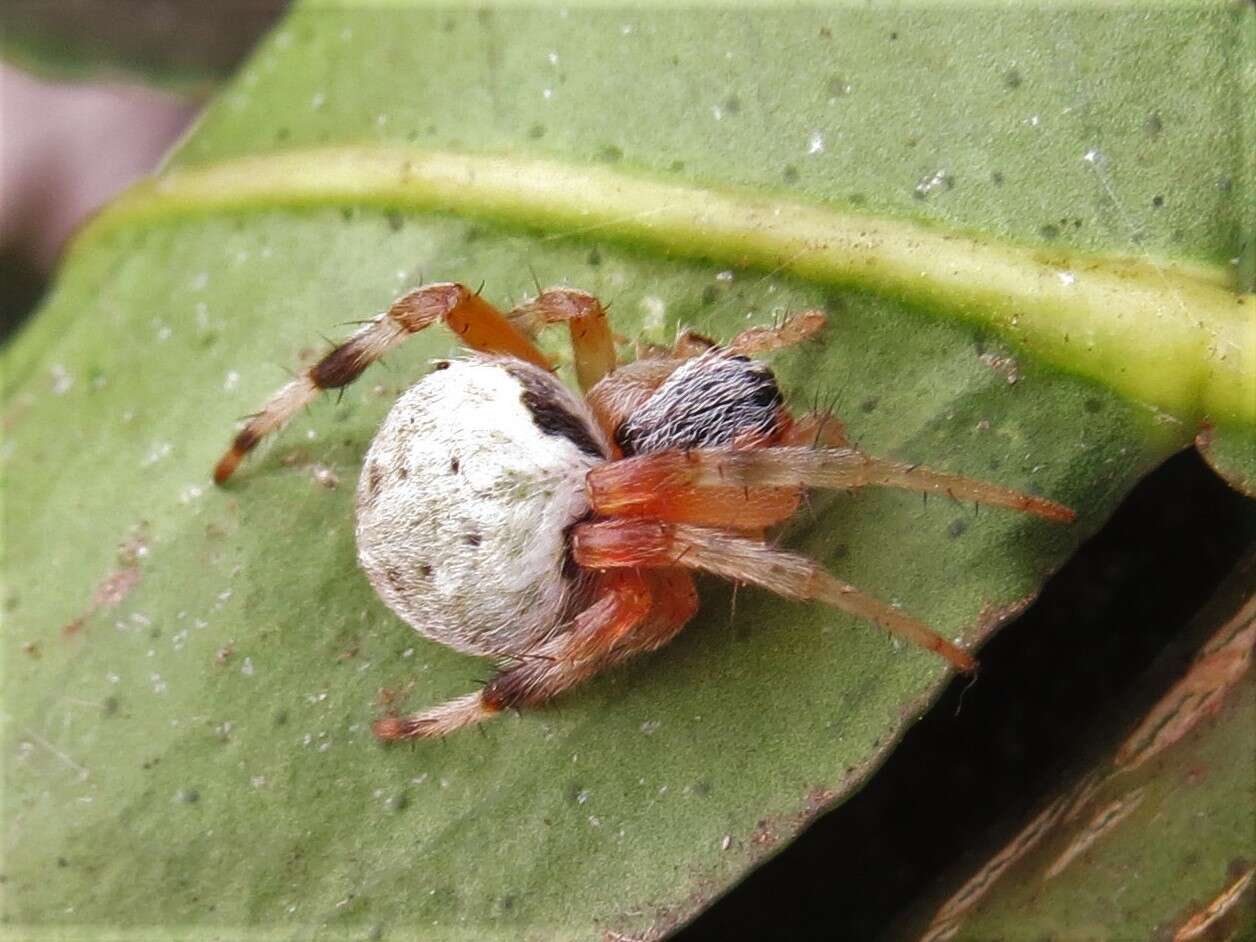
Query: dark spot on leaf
x=594, y=258
x=732, y=104
x=790, y=173
x=702, y=789
x=399, y=802
x=1153, y=125
x=997, y=178
x=1092, y=406
x=536, y=132
x=839, y=551
x=710, y=294
x=395, y=220
x=1012, y=78
x=610, y=154
x=869, y=404
x=957, y=527
x=676, y=166
x=110, y=706
x=837, y=87
x=188, y=796
x=1049, y=231
x=62, y=862
x=1157, y=201
x=281, y=717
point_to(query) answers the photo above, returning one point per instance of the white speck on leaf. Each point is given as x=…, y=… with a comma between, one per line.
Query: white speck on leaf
x=61, y=380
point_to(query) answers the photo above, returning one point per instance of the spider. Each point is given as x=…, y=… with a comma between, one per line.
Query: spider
x=503, y=515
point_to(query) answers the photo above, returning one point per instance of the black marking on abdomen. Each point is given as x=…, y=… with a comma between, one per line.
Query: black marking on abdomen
x=550, y=415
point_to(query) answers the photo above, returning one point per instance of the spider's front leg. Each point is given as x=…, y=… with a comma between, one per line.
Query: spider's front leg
x=727, y=486
x=633, y=612
x=477, y=323
x=636, y=543
x=592, y=343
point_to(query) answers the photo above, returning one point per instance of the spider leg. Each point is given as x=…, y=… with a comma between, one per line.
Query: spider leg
x=634, y=611
x=659, y=486
x=648, y=485
x=792, y=331
x=477, y=323
x=592, y=344
x=613, y=543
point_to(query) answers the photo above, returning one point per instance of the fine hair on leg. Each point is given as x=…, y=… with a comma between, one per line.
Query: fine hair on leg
x=476, y=322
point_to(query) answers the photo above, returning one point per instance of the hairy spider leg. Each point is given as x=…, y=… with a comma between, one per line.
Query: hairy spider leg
x=635, y=543
x=592, y=343
x=635, y=611
x=790, y=332
x=477, y=323
x=662, y=484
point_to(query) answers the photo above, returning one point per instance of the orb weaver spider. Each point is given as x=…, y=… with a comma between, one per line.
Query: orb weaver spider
x=503, y=515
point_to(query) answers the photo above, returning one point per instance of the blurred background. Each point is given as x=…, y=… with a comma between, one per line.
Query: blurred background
x=92, y=94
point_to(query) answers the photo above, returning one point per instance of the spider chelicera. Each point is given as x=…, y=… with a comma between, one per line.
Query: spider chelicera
x=501, y=514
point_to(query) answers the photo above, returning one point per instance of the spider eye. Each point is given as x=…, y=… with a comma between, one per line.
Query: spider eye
x=766, y=395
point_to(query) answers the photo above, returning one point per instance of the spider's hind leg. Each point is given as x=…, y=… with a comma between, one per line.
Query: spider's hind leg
x=634, y=611
x=476, y=322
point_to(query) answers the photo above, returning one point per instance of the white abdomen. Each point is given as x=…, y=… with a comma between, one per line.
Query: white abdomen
x=465, y=499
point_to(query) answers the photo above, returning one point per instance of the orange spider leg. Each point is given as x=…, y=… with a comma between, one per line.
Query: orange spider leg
x=623, y=601
x=478, y=324
x=613, y=543
x=619, y=488
x=592, y=344
x=792, y=331
x=754, y=340
x=662, y=486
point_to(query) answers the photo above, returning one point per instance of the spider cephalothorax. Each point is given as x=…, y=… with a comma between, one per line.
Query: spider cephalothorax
x=501, y=514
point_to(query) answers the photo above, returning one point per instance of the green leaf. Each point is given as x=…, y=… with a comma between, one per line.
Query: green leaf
x=196, y=751
x=1155, y=838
